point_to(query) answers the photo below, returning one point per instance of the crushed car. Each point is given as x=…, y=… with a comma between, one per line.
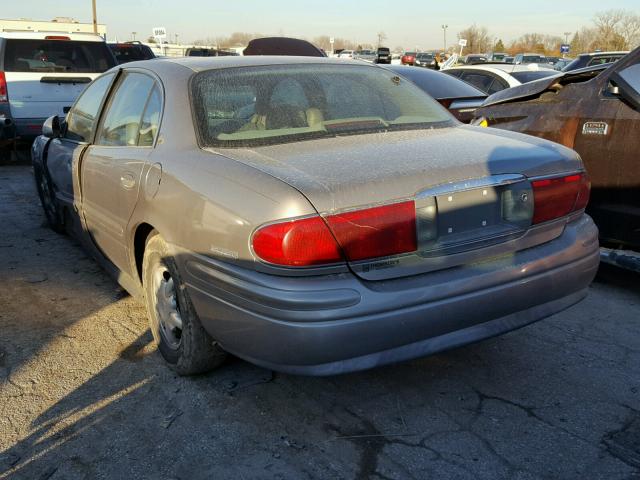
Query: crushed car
x=595, y=111
x=286, y=46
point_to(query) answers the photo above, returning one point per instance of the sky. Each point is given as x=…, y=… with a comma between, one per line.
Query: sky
x=407, y=23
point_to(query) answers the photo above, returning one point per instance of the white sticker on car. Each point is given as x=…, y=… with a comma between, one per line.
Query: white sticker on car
x=595, y=128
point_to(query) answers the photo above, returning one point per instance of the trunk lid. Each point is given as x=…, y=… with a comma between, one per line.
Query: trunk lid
x=463, y=173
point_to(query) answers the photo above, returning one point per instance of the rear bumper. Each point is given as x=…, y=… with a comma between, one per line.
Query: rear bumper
x=338, y=323
x=20, y=128
x=28, y=128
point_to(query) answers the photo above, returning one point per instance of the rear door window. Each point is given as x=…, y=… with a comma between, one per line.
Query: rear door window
x=151, y=119
x=456, y=72
x=121, y=124
x=57, y=56
x=82, y=117
x=479, y=80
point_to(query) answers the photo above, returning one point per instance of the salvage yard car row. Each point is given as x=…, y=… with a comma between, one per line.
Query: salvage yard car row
x=320, y=216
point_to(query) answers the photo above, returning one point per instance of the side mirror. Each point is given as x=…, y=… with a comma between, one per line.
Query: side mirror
x=626, y=85
x=51, y=127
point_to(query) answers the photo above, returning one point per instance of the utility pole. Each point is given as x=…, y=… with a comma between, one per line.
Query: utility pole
x=444, y=30
x=95, y=17
x=566, y=37
x=133, y=34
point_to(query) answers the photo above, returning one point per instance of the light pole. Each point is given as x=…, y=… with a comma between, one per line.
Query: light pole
x=133, y=34
x=444, y=32
x=95, y=17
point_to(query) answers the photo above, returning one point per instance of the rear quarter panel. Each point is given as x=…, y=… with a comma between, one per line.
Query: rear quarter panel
x=202, y=201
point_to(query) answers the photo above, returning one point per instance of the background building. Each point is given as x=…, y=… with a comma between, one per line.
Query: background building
x=58, y=25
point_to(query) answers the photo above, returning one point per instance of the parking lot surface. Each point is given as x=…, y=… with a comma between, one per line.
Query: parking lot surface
x=84, y=394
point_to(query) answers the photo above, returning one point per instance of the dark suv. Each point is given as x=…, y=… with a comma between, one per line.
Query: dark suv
x=383, y=55
x=589, y=59
x=130, y=52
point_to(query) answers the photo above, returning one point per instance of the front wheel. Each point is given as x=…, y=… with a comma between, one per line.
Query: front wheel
x=176, y=328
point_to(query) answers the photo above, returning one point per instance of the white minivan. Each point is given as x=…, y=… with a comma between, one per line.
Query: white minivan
x=41, y=74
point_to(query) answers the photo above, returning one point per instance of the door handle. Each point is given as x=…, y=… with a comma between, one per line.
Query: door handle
x=127, y=181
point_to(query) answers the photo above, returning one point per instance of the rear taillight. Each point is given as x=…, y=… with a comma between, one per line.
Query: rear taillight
x=57, y=37
x=376, y=232
x=3, y=88
x=559, y=196
x=355, y=235
x=297, y=243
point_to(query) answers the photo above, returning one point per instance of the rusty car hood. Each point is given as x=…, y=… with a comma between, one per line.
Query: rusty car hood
x=342, y=172
x=537, y=87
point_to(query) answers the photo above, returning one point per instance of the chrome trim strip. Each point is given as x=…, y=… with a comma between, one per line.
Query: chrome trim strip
x=471, y=184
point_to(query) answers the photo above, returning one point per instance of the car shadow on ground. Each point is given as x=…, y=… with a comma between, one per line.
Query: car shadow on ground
x=463, y=412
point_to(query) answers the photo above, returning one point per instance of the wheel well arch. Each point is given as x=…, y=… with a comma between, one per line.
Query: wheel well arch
x=139, y=241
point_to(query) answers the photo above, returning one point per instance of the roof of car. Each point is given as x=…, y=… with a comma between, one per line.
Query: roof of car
x=27, y=35
x=506, y=67
x=198, y=64
x=594, y=54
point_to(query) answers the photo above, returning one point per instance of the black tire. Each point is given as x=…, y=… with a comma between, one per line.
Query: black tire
x=189, y=350
x=46, y=193
x=5, y=155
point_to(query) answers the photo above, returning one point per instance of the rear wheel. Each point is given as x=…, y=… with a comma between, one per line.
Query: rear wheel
x=176, y=328
x=47, y=199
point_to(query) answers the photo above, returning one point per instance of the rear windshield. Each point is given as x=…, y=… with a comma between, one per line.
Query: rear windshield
x=61, y=56
x=285, y=103
x=533, y=59
x=201, y=52
x=129, y=53
x=525, y=77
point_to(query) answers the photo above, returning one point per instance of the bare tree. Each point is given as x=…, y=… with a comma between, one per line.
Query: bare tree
x=616, y=30
x=478, y=39
x=629, y=28
x=583, y=40
x=607, y=30
x=323, y=42
x=381, y=38
x=536, y=43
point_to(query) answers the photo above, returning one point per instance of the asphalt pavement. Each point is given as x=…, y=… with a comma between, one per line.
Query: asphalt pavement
x=84, y=394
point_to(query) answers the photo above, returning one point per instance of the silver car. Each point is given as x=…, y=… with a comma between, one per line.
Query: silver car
x=311, y=215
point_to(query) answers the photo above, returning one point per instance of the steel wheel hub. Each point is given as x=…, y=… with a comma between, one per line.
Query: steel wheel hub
x=167, y=308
